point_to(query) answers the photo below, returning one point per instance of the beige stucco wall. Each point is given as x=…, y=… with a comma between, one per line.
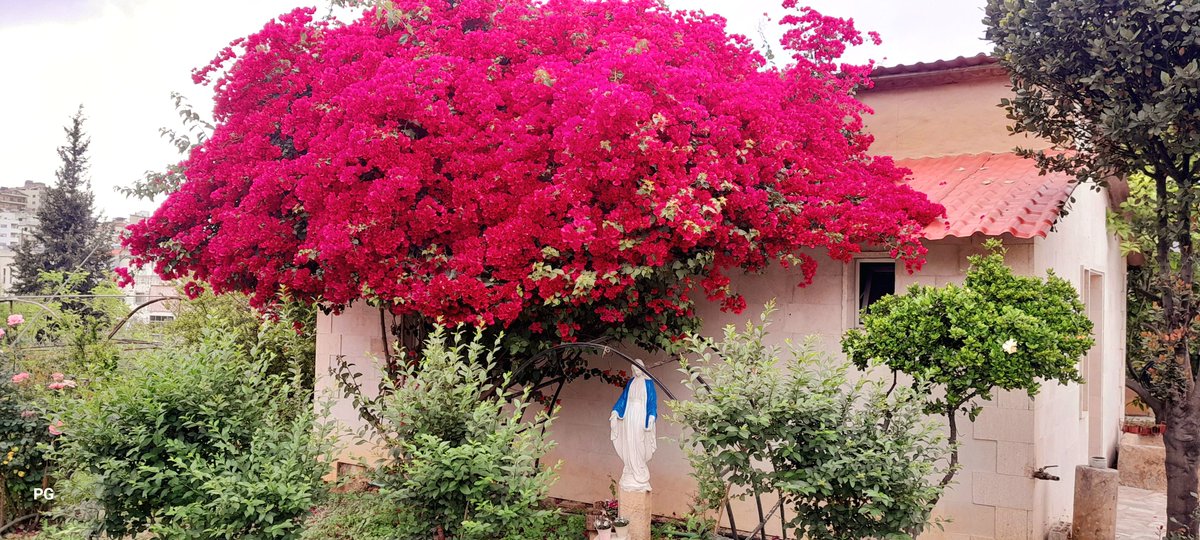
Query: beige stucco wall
x=944, y=119
x=354, y=337
x=1082, y=246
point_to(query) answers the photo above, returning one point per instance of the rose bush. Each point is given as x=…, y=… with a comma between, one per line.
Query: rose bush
x=561, y=168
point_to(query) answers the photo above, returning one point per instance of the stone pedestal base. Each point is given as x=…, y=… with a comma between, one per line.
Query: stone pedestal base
x=636, y=507
x=1095, y=516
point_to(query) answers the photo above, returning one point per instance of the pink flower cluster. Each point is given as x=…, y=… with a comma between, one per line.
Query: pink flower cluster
x=16, y=319
x=60, y=382
x=19, y=378
x=124, y=278
x=559, y=164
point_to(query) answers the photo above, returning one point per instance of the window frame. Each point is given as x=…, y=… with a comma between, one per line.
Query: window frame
x=851, y=284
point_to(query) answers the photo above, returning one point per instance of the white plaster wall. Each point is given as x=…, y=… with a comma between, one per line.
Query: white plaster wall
x=1061, y=428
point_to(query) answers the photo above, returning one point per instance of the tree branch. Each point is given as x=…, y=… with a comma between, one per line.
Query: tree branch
x=1144, y=394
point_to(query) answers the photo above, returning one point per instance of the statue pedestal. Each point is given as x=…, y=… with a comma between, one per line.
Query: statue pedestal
x=635, y=506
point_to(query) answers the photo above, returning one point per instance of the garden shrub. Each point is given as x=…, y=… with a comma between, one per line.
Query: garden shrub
x=462, y=462
x=197, y=442
x=851, y=460
x=283, y=335
x=24, y=433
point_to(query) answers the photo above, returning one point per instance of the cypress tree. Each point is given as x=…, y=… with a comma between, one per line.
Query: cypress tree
x=68, y=236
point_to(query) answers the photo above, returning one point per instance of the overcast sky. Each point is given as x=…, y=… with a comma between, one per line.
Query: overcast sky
x=121, y=59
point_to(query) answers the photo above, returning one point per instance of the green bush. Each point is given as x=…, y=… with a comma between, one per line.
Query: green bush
x=24, y=436
x=462, y=461
x=852, y=461
x=198, y=442
x=284, y=337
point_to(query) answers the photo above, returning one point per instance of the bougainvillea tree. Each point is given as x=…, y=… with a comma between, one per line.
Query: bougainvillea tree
x=560, y=168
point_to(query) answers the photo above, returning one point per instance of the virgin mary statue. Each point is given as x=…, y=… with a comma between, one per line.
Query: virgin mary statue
x=632, y=431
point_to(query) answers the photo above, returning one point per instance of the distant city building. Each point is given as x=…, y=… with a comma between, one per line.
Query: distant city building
x=18, y=215
x=34, y=193
x=27, y=198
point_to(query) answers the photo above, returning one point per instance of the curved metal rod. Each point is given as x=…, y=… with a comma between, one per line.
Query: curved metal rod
x=593, y=345
x=121, y=324
x=10, y=301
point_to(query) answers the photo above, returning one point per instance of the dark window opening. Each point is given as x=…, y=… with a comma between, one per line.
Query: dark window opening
x=875, y=280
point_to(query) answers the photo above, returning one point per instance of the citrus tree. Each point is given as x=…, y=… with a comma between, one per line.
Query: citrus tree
x=997, y=331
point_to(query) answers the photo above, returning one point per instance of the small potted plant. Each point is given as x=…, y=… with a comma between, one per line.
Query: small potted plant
x=604, y=528
x=620, y=526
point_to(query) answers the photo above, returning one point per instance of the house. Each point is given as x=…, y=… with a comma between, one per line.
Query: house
x=941, y=120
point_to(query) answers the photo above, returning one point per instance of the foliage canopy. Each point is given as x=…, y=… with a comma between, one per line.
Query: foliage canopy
x=997, y=331
x=564, y=169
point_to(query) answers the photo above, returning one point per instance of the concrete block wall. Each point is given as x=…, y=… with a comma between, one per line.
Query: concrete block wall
x=354, y=336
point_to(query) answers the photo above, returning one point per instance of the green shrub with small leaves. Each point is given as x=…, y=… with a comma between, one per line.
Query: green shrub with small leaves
x=197, y=442
x=283, y=336
x=851, y=460
x=462, y=458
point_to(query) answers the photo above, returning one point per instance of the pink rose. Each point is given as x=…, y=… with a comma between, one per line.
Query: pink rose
x=19, y=378
x=28, y=414
x=56, y=386
x=54, y=428
x=15, y=319
x=58, y=377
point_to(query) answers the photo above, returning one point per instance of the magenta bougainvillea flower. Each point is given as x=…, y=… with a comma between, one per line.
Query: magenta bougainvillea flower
x=553, y=167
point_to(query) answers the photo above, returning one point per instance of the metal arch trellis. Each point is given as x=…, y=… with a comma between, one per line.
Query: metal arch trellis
x=54, y=313
x=121, y=324
x=561, y=381
x=12, y=301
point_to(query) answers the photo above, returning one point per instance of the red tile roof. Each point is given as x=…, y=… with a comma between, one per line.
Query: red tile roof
x=981, y=59
x=991, y=194
x=956, y=70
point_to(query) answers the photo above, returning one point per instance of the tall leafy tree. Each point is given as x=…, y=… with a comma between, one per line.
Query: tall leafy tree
x=1115, y=87
x=68, y=236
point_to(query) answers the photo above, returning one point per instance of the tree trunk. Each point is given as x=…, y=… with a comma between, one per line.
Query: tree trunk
x=1183, y=463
